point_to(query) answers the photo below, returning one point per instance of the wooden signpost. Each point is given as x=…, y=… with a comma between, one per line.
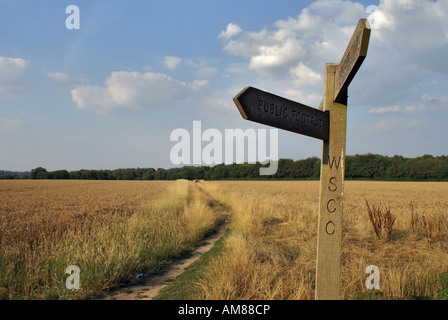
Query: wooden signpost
x=327, y=123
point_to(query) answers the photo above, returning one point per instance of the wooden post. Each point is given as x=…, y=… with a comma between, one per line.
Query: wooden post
x=329, y=237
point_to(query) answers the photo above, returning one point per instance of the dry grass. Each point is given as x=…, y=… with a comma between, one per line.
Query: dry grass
x=271, y=251
x=116, y=231
x=113, y=231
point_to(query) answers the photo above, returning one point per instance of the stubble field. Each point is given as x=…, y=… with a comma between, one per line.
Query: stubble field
x=117, y=231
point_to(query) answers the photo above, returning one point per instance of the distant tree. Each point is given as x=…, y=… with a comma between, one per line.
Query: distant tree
x=149, y=174
x=316, y=168
x=75, y=175
x=285, y=168
x=8, y=177
x=160, y=174
x=173, y=174
x=366, y=166
x=102, y=175
x=60, y=174
x=220, y=172
x=304, y=168
x=394, y=170
x=85, y=174
x=129, y=174
x=40, y=173
x=442, y=167
x=381, y=163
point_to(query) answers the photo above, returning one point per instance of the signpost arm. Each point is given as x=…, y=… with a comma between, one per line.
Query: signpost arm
x=329, y=243
x=352, y=59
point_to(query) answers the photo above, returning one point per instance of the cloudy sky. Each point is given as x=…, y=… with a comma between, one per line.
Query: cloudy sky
x=109, y=94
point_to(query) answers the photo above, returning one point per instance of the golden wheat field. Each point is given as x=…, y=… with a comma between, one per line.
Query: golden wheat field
x=272, y=250
x=113, y=231
x=117, y=231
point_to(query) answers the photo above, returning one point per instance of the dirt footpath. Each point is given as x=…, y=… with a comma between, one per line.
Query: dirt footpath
x=153, y=285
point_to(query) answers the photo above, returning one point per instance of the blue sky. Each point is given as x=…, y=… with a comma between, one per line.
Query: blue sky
x=108, y=95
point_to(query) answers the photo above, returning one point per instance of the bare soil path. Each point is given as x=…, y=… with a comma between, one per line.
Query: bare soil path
x=153, y=285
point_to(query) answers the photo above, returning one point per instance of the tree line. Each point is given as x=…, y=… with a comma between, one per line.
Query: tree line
x=357, y=167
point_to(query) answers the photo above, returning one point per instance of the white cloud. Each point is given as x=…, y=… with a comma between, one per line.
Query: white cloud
x=12, y=75
x=304, y=76
x=384, y=110
x=202, y=67
x=171, y=62
x=309, y=99
x=272, y=58
x=321, y=30
x=236, y=68
x=58, y=77
x=410, y=47
x=133, y=91
x=199, y=84
x=64, y=78
x=216, y=102
x=292, y=53
x=207, y=72
x=10, y=123
x=392, y=124
x=417, y=30
x=427, y=103
x=231, y=31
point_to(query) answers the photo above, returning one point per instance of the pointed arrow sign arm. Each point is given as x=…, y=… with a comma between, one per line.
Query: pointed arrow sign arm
x=267, y=108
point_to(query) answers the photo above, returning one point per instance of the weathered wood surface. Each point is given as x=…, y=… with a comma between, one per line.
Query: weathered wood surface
x=329, y=235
